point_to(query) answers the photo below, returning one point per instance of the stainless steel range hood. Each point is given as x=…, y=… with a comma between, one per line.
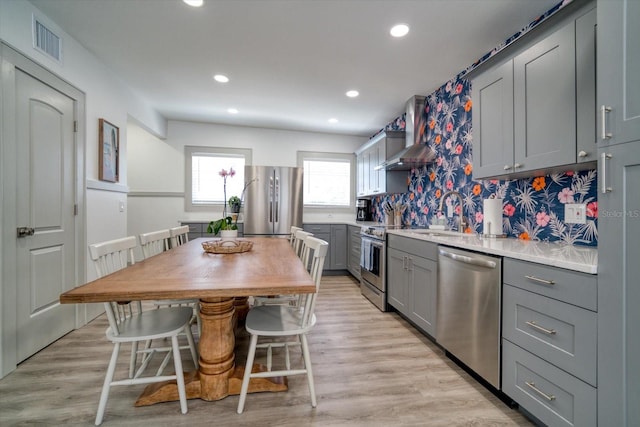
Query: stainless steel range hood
x=416, y=153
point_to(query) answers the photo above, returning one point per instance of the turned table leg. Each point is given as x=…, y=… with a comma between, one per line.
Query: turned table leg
x=217, y=377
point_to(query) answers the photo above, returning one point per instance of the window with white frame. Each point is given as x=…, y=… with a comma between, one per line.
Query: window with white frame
x=327, y=179
x=205, y=186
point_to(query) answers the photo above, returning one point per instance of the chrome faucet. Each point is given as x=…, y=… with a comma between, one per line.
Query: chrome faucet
x=463, y=221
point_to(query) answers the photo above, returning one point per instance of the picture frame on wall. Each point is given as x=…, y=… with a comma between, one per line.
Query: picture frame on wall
x=109, y=149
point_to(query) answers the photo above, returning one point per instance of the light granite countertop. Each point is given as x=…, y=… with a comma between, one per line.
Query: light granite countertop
x=577, y=258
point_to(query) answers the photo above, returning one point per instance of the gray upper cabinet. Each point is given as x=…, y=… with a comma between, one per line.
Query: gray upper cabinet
x=545, y=103
x=535, y=112
x=372, y=180
x=586, y=87
x=492, y=118
x=618, y=71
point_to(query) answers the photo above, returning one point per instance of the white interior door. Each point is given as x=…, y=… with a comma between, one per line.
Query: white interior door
x=45, y=208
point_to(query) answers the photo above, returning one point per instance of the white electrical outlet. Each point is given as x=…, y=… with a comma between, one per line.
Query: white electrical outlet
x=575, y=213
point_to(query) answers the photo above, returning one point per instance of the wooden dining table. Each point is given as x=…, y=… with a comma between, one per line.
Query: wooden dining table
x=222, y=283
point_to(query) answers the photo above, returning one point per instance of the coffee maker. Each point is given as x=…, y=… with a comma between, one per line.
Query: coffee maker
x=363, y=212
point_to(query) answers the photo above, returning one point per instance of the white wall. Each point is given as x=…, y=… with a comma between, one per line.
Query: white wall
x=106, y=96
x=157, y=166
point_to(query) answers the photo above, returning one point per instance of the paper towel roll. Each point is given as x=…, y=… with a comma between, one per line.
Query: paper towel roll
x=492, y=212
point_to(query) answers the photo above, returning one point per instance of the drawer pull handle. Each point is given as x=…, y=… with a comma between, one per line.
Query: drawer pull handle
x=533, y=387
x=539, y=280
x=534, y=325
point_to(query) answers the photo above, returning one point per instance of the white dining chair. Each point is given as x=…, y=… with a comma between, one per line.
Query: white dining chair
x=156, y=242
x=129, y=324
x=292, y=236
x=277, y=321
x=301, y=249
x=178, y=236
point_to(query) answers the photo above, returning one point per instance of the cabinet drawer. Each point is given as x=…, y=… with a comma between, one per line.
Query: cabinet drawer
x=553, y=396
x=573, y=287
x=413, y=246
x=562, y=334
x=195, y=227
x=317, y=228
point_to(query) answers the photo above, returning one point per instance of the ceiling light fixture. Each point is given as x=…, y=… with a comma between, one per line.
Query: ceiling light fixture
x=333, y=120
x=221, y=78
x=399, y=30
x=194, y=3
x=232, y=111
x=352, y=93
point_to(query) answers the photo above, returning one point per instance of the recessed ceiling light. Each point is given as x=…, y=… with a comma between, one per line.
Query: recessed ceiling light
x=232, y=111
x=221, y=78
x=399, y=30
x=333, y=120
x=352, y=93
x=194, y=3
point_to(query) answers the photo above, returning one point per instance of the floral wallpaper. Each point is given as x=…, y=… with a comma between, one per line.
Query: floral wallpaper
x=533, y=208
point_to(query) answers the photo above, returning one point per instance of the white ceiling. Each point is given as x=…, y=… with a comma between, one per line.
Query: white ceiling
x=290, y=61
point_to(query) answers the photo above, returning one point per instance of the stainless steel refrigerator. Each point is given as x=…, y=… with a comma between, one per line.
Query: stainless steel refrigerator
x=273, y=201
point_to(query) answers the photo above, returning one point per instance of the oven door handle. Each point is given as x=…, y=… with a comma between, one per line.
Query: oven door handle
x=467, y=259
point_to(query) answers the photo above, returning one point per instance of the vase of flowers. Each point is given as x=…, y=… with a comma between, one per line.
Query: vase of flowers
x=226, y=223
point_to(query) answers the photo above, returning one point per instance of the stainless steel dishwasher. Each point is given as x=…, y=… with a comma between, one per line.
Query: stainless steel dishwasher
x=468, y=313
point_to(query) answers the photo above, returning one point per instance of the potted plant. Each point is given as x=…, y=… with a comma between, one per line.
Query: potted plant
x=234, y=204
x=223, y=225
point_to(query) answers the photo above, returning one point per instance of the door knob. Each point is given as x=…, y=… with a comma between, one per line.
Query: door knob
x=26, y=231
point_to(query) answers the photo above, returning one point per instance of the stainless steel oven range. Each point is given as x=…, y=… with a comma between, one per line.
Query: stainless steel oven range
x=372, y=265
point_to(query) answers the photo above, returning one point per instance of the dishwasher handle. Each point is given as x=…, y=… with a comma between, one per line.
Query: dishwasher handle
x=467, y=259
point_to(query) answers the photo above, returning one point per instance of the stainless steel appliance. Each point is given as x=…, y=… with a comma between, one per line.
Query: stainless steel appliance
x=468, y=314
x=416, y=152
x=273, y=201
x=372, y=265
x=363, y=212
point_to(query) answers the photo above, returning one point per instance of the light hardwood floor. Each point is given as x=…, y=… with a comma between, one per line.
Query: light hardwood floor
x=371, y=369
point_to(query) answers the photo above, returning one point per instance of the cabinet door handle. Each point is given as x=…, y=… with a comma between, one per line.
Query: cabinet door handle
x=409, y=263
x=539, y=280
x=603, y=172
x=532, y=386
x=603, y=115
x=507, y=167
x=517, y=166
x=404, y=262
x=582, y=154
x=534, y=325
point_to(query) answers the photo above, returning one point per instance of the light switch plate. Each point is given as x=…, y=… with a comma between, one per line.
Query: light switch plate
x=575, y=213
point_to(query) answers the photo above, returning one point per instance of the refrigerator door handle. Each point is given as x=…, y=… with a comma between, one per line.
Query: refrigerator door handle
x=276, y=196
x=271, y=198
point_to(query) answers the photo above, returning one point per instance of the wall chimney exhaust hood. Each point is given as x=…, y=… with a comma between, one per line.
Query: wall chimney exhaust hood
x=416, y=153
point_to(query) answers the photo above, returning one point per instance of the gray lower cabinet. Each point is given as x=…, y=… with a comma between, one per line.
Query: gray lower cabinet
x=336, y=236
x=353, y=251
x=412, y=275
x=527, y=110
x=549, y=342
x=618, y=286
x=198, y=229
